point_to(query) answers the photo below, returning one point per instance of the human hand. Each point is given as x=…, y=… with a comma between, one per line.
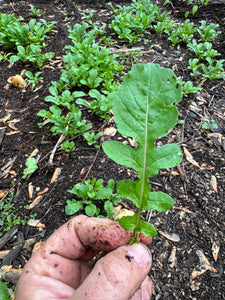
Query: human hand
x=59, y=269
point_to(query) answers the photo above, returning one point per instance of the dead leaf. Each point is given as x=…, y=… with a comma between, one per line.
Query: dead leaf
x=132, y=142
x=170, y=236
x=30, y=190
x=216, y=135
x=215, y=249
x=37, y=246
x=35, y=223
x=43, y=192
x=36, y=201
x=195, y=286
x=122, y=212
x=17, y=81
x=213, y=183
x=3, y=253
x=34, y=153
x=110, y=131
x=203, y=266
x=172, y=258
x=55, y=175
x=190, y=158
x=2, y=193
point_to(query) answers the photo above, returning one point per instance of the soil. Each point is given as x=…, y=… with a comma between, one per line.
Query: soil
x=188, y=233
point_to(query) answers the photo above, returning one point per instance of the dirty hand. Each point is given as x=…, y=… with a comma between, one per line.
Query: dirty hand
x=60, y=269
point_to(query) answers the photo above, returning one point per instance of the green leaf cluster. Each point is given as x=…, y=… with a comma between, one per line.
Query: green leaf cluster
x=13, y=33
x=69, y=124
x=145, y=109
x=31, y=167
x=8, y=214
x=131, y=21
x=86, y=63
x=90, y=192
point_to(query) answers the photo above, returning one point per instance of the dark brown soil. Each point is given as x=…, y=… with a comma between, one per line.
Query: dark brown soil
x=197, y=220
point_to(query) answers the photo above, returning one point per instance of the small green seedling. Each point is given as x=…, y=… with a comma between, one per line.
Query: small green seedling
x=35, y=11
x=209, y=124
x=91, y=191
x=145, y=109
x=188, y=88
x=68, y=146
x=33, y=79
x=31, y=167
x=92, y=138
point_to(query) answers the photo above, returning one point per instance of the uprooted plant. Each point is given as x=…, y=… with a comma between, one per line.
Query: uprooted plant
x=145, y=109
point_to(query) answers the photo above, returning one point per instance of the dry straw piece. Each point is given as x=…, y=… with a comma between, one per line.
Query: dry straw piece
x=17, y=81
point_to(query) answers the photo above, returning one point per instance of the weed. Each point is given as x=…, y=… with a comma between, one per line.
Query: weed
x=33, y=79
x=90, y=192
x=31, y=167
x=145, y=109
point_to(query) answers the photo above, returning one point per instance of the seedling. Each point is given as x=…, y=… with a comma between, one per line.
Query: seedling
x=33, y=79
x=69, y=125
x=32, y=53
x=188, y=88
x=8, y=215
x=194, y=66
x=92, y=138
x=207, y=32
x=131, y=21
x=90, y=192
x=214, y=69
x=4, y=292
x=145, y=109
x=209, y=124
x=68, y=146
x=35, y=11
x=31, y=167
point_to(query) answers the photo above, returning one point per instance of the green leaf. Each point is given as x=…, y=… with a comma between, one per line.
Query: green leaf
x=72, y=207
x=128, y=222
x=145, y=109
x=31, y=167
x=90, y=210
x=4, y=292
x=159, y=201
x=147, y=229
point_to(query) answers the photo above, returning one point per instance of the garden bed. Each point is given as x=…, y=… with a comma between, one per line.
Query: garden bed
x=193, y=231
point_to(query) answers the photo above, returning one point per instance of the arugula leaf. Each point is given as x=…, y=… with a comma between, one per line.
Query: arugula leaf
x=145, y=109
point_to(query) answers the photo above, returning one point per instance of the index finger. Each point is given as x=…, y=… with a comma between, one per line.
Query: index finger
x=82, y=233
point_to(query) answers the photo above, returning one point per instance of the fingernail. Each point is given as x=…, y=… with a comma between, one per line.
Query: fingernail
x=140, y=253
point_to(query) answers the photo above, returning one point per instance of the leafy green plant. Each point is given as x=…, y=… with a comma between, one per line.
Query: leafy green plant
x=35, y=11
x=214, y=69
x=33, y=79
x=31, y=53
x=65, y=99
x=100, y=106
x=4, y=56
x=207, y=32
x=194, y=66
x=182, y=32
x=68, y=146
x=202, y=49
x=145, y=109
x=69, y=125
x=209, y=124
x=164, y=23
x=8, y=217
x=31, y=167
x=131, y=21
x=188, y=88
x=13, y=33
x=92, y=137
x=86, y=63
x=90, y=192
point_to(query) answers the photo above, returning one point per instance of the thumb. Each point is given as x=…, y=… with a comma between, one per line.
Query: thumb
x=118, y=275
